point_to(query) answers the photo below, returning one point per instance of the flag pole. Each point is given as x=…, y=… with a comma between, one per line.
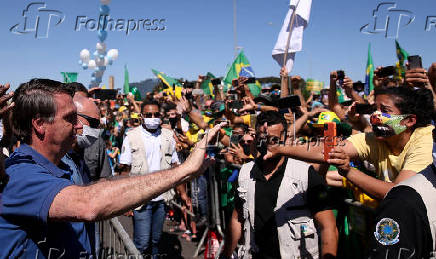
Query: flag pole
x=291, y=24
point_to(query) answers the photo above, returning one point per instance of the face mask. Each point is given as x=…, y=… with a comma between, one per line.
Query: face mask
x=152, y=123
x=88, y=137
x=103, y=120
x=386, y=125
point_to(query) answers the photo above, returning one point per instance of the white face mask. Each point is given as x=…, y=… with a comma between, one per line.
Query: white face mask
x=88, y=137
x=152, y=123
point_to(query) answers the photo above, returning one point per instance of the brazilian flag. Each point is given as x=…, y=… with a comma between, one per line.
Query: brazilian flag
x=241, y=67
x=169, y=82
x=207, y=84
x=126, y=87
x=369, y=84
x=402, y=56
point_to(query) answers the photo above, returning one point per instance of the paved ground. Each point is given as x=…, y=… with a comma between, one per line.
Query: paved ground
x=172, y=244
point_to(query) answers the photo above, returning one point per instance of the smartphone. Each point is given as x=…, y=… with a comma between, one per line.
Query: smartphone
x=329, y=138
x=365, y=108
x=340, y=74
x=414, y=62
x=235, y=139
x=178, y=132
x=291, y=101
x=251, y=80
x=386, y=71
x=105, y=94
x=358, y=86
x=215, y=81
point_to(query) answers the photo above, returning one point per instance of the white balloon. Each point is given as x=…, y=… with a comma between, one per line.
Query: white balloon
x=106, y=2
x=99, y=62
x=91, y=64
x=112, y=54
x=84, y=55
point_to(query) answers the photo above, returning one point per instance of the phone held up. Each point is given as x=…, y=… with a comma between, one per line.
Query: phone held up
x=329, y=138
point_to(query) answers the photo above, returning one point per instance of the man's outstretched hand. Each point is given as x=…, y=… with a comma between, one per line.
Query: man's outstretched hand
x=196, y=163
x=4, y=98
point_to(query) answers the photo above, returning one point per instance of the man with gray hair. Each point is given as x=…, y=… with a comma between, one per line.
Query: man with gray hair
x=43, y=212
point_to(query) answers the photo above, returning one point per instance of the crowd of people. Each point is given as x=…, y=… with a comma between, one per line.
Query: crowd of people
x=70, y=160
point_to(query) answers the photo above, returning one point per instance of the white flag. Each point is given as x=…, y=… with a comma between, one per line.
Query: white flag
x=301, y=20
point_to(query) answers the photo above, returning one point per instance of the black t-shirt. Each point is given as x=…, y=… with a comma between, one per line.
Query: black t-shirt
x=266, y=192
x=402, y=229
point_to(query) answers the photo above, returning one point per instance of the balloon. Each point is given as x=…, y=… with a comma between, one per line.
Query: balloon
x=105, y=2
x=84, y=55
x=85, y=66
x=91, y=64
x=104, y=10
x=102, y=35
x=100, y=46
x=112, y=54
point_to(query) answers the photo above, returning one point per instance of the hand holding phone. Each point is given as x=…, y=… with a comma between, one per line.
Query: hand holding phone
x=329, y=138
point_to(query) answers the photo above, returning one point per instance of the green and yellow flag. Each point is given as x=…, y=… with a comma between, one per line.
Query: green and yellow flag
x=369, y=84
x=126, y=87
x=207, y=84
x=170, y=82
x=241, y=67
x=69, y=77
x=402, y=56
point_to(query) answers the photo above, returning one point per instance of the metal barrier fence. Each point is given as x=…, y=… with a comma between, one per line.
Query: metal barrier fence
x=114, y=242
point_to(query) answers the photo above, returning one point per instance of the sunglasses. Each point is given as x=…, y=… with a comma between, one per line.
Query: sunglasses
x=152, y=114
x=93, y=122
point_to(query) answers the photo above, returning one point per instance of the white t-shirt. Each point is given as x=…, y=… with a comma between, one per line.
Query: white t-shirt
x=152, y=143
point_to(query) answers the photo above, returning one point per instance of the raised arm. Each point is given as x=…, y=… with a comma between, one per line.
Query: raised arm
x=106, y=199
x=284, y=86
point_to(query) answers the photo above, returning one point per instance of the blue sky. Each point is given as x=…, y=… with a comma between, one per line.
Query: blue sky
x=199, y=38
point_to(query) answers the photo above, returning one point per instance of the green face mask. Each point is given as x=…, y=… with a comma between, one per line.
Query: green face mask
x=386, y=125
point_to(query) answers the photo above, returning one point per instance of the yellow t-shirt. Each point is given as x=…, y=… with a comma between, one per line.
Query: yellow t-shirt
x=249, y=120
x=416, y=155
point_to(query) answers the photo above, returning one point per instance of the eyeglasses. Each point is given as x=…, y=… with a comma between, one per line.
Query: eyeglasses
x=152, y=115
x=93, y=122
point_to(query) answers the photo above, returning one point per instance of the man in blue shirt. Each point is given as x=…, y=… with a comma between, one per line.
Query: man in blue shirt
x=42, y=211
